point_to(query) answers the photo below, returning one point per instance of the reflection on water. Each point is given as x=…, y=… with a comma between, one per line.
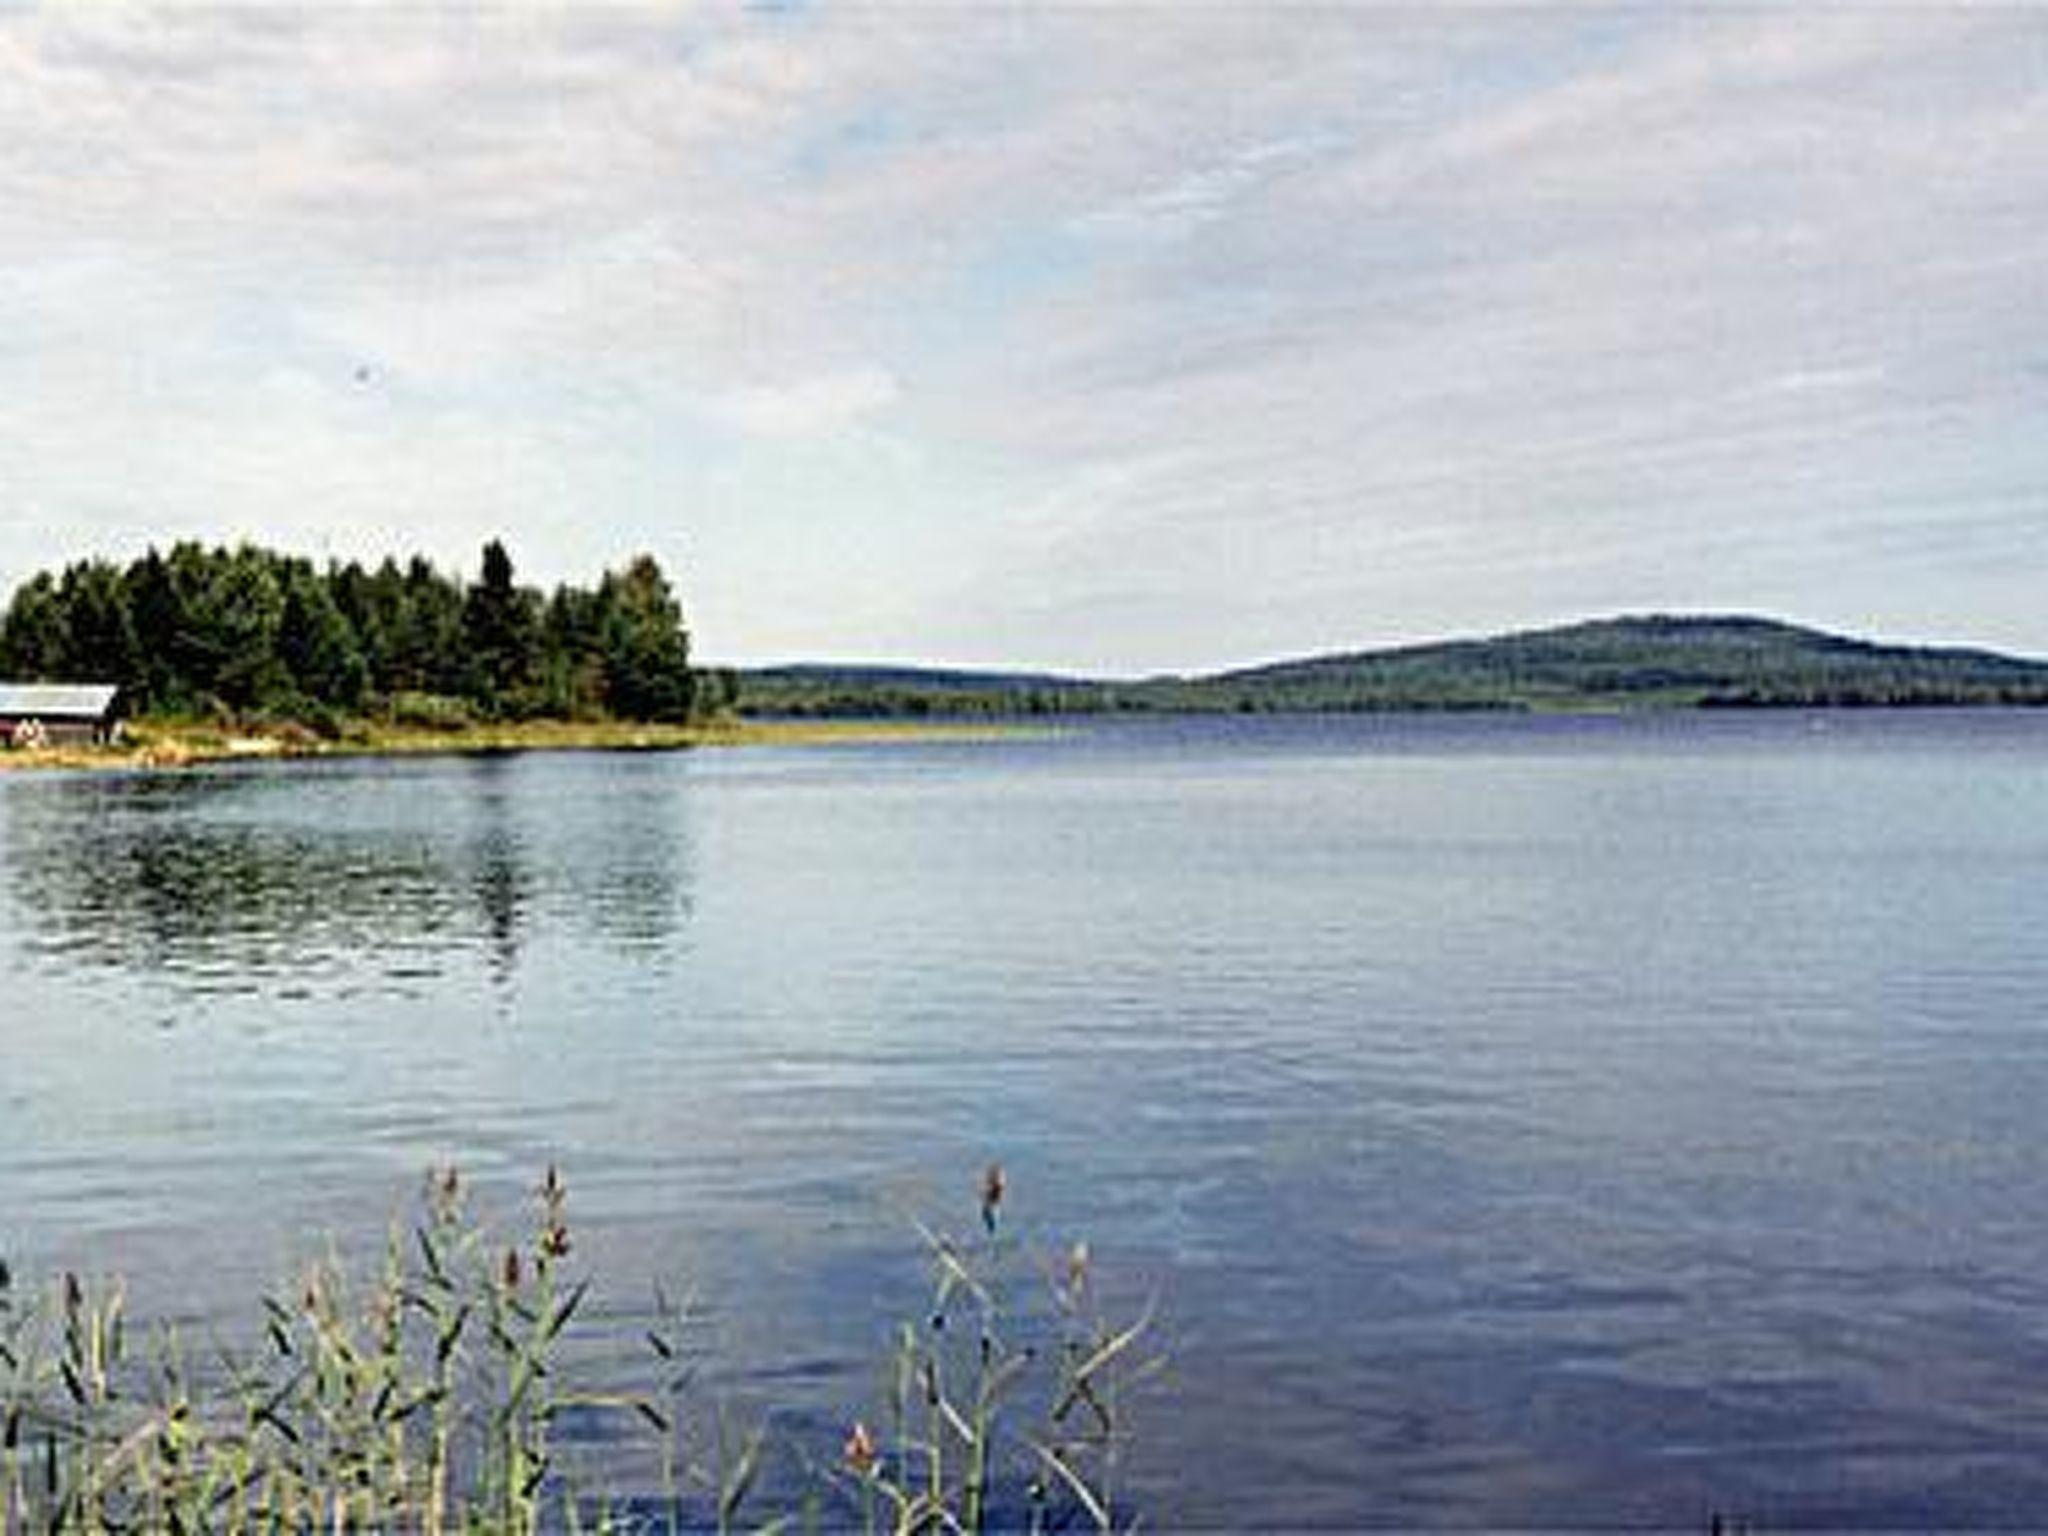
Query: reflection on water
x=500, y=881
x=288, y=881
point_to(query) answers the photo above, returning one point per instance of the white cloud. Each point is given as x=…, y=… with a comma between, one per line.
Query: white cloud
x=1136, y=338
x=821, y=406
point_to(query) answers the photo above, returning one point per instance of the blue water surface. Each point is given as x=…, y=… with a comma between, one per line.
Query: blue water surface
x=1516, y=1121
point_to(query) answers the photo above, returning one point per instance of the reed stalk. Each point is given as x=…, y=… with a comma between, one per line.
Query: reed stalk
x=424, y=1398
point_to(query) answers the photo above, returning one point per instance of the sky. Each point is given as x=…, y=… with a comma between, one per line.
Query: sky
x=1108, y=338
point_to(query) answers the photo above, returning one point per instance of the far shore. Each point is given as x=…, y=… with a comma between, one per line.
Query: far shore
x=152, y=745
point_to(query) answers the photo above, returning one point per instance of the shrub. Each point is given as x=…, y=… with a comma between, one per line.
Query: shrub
x=430, y=711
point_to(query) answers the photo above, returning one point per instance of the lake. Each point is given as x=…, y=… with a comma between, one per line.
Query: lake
x=1518, y=1121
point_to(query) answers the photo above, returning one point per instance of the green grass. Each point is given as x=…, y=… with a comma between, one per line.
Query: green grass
x=424, y=1393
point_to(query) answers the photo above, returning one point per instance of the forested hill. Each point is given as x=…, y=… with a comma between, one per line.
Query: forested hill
x=1653, y=661
x=249, y=632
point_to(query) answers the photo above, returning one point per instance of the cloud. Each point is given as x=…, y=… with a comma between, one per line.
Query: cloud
x=1133, y=338
x=820, y=406
x=1800, y=380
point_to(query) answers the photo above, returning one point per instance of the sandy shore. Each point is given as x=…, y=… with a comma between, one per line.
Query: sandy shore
x=151, y=746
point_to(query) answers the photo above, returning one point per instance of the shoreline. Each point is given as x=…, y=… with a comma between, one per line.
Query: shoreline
x=152, y=748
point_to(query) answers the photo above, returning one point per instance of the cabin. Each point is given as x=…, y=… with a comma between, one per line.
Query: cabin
x=58, y=714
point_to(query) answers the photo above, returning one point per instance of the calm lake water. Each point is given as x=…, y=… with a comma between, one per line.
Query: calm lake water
x=1519, y=1122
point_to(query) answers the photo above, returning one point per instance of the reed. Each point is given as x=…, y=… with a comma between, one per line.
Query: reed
x=422, y=1394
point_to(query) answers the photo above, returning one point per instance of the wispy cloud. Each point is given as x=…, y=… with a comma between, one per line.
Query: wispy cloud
x=1115, y=337
x=821, y=406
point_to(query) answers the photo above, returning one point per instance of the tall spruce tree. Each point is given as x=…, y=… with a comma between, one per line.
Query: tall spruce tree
x=500, y=630
x=316, y=643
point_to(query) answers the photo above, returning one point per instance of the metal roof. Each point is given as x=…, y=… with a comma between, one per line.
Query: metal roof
x=54, y=701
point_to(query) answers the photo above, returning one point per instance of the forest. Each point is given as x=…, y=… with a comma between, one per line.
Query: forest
x=1642, y=661
x=247, y=632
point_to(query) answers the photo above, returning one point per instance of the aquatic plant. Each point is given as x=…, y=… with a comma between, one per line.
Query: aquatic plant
x=425, y=1396
x=952, y=1460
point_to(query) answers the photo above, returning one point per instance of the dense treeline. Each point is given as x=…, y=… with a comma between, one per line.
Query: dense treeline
x=250, y=631
x=1643, y=662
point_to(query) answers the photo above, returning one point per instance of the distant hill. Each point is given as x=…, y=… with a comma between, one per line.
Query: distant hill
x=1658, y=659
x=1638, y=662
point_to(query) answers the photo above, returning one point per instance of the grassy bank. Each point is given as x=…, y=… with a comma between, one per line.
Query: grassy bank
x=438, y=1388
x=181, y=743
